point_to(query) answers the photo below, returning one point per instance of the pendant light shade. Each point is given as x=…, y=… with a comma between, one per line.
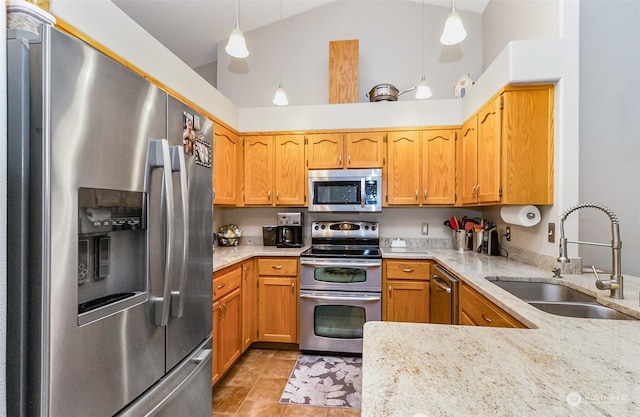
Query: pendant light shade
x=280, y=99
x=237, y=46
x=453, y=32
x=423, y=91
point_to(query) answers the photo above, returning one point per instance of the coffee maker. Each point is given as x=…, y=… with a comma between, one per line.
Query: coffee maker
x=290, y=230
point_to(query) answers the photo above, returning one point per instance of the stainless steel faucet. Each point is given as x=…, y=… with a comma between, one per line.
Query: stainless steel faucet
x=615, y=282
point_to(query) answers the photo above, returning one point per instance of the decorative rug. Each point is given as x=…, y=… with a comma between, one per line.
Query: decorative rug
x=325, y=381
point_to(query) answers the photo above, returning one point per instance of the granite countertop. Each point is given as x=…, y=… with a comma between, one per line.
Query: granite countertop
x=560, y=366
x=224, y=256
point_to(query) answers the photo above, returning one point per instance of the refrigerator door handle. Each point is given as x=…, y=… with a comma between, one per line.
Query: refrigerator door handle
x=160, y=157
x=178, y=164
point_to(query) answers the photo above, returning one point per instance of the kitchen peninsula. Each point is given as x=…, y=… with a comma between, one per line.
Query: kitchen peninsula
x=558, y=366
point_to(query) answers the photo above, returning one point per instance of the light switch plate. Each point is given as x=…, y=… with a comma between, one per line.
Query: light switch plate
x=425, y=228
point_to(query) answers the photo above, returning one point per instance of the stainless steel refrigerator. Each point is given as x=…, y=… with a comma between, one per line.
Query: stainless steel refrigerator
x=110, y=238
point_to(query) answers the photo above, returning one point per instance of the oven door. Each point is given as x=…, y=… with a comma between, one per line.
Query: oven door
x=341, y=274
x=333, y=321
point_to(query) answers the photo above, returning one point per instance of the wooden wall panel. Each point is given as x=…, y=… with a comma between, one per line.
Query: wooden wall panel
x=343, y=71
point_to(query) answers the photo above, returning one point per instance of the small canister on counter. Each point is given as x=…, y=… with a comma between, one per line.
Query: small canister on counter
x=269, y=235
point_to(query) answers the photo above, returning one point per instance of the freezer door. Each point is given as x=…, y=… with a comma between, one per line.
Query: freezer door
x=185, y=391
x=190, y=138
x=91, y=124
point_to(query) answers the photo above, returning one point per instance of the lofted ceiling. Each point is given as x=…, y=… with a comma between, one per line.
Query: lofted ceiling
x=191, y=29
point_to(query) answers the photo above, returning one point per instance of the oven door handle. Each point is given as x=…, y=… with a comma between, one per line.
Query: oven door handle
x=329, y=298
x=335, y=264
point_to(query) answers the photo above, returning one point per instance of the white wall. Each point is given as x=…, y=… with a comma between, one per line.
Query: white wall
x=558, y=59
x=390, y=51
x=610, y=128
x=527, y=19
x=209, y=72
x=394, y=222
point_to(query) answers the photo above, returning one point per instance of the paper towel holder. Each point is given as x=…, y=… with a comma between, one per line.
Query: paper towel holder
x=526, y=216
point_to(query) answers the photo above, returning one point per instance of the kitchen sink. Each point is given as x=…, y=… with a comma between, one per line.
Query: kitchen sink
x=558, y=299
x=582, y=310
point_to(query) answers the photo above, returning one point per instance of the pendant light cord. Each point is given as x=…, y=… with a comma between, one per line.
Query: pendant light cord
x=237, y=13
x=423, y=38
x=281, y=42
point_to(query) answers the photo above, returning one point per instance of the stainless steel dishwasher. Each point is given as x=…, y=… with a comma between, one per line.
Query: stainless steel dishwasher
x=443, y=303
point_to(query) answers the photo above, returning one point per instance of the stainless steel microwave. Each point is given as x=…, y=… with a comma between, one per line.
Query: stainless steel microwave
x=352, y=190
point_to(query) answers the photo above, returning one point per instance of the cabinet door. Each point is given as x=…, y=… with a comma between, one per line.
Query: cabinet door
x=290, y=179
x=230, y=347
x=324, y=151
x=407, y=301
x=226, y=165
x=249, y=304
x=258, y=170
x=278, y=313
x=527, y=145
x=489, y=146
x=477, y=310
x=439, y=166
x=468, y=161
x=403, y=171
x=215, y=336
x=365, y=150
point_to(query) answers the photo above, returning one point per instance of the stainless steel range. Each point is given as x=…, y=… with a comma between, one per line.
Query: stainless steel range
x=340, y=285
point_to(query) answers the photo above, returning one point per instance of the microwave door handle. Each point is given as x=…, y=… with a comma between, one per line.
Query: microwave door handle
x=160, y=157
x=179, y=165
x=362, y=193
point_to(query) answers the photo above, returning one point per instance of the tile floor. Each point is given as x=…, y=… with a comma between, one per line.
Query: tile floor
x=254, y=386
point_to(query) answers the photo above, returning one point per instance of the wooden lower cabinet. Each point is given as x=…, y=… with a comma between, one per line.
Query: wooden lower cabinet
x=406, y=290
x=477, y=310
x=227, y=320
x=278, y=300
x=249, y=304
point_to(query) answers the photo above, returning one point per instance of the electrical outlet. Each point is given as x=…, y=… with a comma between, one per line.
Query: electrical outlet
x=507, y=234
x=551, y=233
x=425, y=228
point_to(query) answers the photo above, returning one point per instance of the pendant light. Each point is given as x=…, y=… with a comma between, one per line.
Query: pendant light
x=280, y=99
x=423, y=91
x=453, y=32
x=237, y=46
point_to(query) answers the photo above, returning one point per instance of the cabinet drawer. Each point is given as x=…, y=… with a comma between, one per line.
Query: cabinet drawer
x=483, y=312
x=405, y=269
x=225, y=281
x=287, y=267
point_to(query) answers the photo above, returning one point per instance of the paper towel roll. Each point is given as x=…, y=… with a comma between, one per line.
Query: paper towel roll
x=526, y=216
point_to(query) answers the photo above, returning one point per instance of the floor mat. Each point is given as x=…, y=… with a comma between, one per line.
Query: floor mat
x=325, y=381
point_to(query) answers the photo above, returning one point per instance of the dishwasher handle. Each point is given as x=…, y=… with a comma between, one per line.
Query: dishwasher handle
x=440, y=283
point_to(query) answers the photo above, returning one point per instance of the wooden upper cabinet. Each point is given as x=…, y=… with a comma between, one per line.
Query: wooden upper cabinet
x=325, y=151
x=527, y=145
x=227, y=165
x=290, y=181
x=258, y=170
x=365, y=149
x=403, y=169
x=468, y=161
x=513, y=150
x=439, y=166
x=489, y=147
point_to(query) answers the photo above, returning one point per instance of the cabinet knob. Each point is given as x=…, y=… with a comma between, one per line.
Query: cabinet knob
x=276, y=266
x=425, y=193
x=269, y=195
x=408, y=270
x=485, y=318
x=349, y=159
x=277, y=195
x=416, y=195
x=221, y=286
x=340, y=158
